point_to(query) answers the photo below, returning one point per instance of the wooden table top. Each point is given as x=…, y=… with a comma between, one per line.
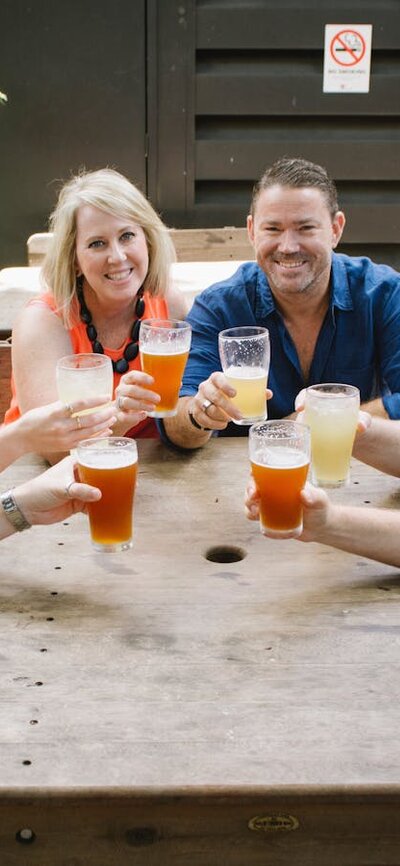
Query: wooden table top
x=158, y=669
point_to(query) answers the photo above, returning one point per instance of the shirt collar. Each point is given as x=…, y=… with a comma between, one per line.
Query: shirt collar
x=265, y=304
x=340, y=291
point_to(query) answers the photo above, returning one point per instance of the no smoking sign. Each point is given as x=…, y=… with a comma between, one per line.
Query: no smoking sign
x=347, y=58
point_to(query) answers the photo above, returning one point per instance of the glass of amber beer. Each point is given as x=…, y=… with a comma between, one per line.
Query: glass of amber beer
x=280, y=458
x=164, y=348
x=111, y=465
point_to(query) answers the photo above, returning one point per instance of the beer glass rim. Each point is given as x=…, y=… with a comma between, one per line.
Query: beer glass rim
x=95, y=360
x=243, y=332
x=165, y=324
x=333, y=389
x=295, y=430
x=107, y=442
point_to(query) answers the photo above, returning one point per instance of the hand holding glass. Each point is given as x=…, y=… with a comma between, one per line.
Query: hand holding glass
x=164, y=349
x=245, y=354
x=280, y=458
x=84, y=375
x=111, y=465
x=331, y=412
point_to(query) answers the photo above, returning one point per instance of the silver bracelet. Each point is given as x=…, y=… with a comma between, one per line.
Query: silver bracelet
x=13, y=513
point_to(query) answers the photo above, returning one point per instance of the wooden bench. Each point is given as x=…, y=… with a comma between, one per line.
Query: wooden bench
x=192, y=245
x=5, y=376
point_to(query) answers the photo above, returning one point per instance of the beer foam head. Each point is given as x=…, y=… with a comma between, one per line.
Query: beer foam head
x=107, y=453
x=246, y=372
x=281, y=457
x=163, y=349
x=107, y=458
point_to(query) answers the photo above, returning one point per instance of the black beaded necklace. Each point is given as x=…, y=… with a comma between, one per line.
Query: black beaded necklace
x=131, y=349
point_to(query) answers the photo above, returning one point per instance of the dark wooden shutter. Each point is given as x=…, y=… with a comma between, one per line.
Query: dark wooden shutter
x=239, y=84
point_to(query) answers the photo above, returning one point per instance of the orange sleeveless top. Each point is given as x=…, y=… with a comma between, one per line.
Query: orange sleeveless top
x=155, y=308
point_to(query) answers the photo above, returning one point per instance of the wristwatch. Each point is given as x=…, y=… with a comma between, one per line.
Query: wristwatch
x=13, y=513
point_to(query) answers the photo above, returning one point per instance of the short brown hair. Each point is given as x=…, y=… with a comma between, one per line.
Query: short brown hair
x=296, y=172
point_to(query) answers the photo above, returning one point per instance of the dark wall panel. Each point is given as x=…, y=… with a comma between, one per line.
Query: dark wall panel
x=254, y=93
x=258, y=23
x=75, y=78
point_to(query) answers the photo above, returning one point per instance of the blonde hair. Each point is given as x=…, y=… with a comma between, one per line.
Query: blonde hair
x=113, y=193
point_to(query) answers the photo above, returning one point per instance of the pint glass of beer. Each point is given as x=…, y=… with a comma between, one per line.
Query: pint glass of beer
x=280, y=457
x=164, y=348
x=111, y=465
x=84, y=375
x=331, y=412
x=245, y=354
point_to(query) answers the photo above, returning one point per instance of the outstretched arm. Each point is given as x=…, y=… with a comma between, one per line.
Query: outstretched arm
x=379, y=445
x=373, y=533
x=52, y=430
x=51, y=497
x=370, y=532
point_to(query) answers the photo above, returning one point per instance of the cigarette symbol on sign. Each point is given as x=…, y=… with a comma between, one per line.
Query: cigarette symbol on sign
x=347, y=48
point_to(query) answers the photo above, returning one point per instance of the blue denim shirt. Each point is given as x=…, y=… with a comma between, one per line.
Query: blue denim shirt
x=358, y=344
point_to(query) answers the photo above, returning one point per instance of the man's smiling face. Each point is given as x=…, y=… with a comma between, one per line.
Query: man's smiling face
x=293, y=235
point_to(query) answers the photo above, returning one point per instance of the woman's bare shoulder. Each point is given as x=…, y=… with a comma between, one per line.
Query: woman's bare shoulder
x=41, y=332
x=39, y=320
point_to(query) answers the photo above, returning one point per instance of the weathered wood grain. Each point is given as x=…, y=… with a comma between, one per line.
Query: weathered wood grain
x=191, y=245
x=164, y=700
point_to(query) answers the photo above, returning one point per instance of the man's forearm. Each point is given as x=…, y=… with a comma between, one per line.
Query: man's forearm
x=375, y=407
x=373, y=533
x=379, y=446
x=181, y=431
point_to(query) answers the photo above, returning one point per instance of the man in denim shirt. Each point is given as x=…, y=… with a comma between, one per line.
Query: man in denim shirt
x=331, y=318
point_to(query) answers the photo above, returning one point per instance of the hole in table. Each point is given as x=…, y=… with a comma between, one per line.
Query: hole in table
x=25, y=836
x=225, y=553
x=26, y=763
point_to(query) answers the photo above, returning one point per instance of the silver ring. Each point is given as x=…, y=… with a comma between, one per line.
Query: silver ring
x=119, y=404
x=206, y=405
x=68, y=487
x=78, y=421
x=69, y=409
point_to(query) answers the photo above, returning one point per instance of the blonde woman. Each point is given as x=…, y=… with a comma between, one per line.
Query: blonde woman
x=108, y=267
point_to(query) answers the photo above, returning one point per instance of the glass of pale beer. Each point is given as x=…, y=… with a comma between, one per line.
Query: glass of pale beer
x=245, y=355
x=164, y=349
x=84, y=375
x=280, y=458
x=111, y=465
x=331, y=412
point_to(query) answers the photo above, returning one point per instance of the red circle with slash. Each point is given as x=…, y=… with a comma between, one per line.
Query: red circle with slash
x=339, y=43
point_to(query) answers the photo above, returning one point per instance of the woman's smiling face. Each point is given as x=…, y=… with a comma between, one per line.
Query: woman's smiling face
x=112, y=255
